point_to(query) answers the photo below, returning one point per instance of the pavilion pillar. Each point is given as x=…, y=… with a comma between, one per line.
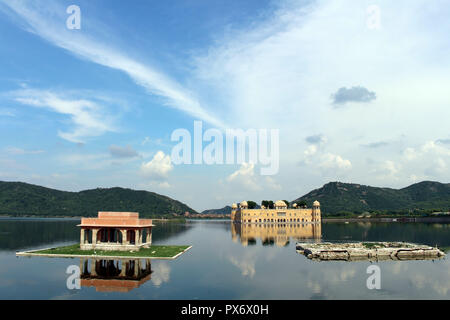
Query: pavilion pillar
x=82, y=237
x=124, y=236
x=137, y=235
x=149, y=236
x=94, y=236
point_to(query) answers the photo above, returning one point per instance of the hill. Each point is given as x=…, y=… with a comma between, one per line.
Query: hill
x=224, y=210
x=340, y=198
x=23, y=199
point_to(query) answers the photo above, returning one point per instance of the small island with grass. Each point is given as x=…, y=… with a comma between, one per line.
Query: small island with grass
x=74, y=251
x=113, y=235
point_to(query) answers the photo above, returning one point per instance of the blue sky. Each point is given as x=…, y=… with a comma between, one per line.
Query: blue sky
x=96, y=107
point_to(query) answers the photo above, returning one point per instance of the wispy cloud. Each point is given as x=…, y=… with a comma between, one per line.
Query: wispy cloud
x=20, y=151
x=374, y=145
x=88, y=118
x=443, y=141
x=123, y=152
x=44, y=20
x=6, y=113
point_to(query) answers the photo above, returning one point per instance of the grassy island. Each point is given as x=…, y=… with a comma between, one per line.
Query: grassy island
x=74, y=251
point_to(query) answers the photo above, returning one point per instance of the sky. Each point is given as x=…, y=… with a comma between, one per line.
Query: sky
x=358, y=91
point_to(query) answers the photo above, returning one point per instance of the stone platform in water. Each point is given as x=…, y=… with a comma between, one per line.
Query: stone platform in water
x=368, y=251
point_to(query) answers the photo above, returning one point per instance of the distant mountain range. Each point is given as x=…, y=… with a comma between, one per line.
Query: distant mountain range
x=20, y=199
x=348, y=198
x=338, y=197
x=224, y=210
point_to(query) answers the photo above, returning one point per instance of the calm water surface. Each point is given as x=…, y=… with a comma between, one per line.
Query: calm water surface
x=228, y=262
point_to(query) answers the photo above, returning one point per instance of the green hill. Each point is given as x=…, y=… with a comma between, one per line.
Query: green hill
x=22, y=199
x=224, y=210
x=344, y=198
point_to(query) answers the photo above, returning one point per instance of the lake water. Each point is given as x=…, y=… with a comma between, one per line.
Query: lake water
x=227, y=262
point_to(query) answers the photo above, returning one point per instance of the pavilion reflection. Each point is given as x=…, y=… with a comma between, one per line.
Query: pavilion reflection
x=120, y=275
x=274, y=234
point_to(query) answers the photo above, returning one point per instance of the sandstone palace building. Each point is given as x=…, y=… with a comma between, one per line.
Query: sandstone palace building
x=280, y=214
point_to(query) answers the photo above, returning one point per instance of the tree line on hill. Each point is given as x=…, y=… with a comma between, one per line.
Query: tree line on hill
x=22, y=199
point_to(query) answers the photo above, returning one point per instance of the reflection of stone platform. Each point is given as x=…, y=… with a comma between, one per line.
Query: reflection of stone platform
x=364, y=251
x=114, y=275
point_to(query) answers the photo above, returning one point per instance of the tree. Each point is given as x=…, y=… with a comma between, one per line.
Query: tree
x=287, y=203
x=267, y=203
x=251, y=204
x=301, y=204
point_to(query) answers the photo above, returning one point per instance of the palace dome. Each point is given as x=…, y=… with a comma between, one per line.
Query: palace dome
x=244, y=204
x=280, y=203
x=234, y=206
x=316, y=203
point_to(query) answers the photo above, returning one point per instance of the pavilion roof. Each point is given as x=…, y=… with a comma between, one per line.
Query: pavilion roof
x=116, y=219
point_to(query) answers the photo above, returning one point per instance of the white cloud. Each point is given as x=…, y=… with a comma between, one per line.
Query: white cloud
x=158, y=168
x=20, y=151
x=88, y=118
x=44, y=20
x=244, y=179
x=245, y=176
x=246, y=265
x=410, y=153
x=161, y=273
x=387, y=170
x=333, y=161
x=270, y=183
x=280, y=71
x=310, y=151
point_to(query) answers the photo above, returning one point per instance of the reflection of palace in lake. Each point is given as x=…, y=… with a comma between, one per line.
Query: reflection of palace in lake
x=271, y=234
x=122, y=275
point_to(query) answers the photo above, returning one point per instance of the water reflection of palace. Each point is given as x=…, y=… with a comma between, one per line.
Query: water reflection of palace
x=121, y=275
x=278, y=234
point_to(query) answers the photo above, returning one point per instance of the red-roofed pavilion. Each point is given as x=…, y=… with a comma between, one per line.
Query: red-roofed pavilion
x=115, y=231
